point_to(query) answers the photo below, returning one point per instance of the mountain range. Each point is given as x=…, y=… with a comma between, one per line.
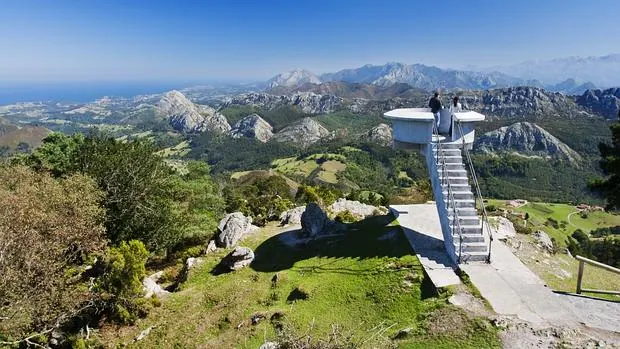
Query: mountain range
x=573, y=75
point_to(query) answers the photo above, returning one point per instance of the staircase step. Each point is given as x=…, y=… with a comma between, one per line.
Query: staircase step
x=468, y=238
x=447, y=152
x=467, y=220
x=448, y=145
x=470, y=229
x=474, y=257
x=452, y=159
x=471, y=247
x=452, y=167
x=462, y=203
x=464, y=212
x=459, y=195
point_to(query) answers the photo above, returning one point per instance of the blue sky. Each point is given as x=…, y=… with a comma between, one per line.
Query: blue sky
x=124, y=40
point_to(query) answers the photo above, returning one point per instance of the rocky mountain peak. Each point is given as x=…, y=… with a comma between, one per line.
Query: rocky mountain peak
x=186, y=116
x=526, y=139
x=604, y=102
x=252, y=126
x=308, y=102
x=304, y=132
x=293, y=78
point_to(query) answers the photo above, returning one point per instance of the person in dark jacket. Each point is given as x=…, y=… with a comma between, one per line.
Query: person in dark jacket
x=435, y=105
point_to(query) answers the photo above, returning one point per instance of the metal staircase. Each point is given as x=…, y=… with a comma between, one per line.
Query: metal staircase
x=467, y=236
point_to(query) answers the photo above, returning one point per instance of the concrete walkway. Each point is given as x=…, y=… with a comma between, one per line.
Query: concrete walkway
x=422, y=228
x=509, y=286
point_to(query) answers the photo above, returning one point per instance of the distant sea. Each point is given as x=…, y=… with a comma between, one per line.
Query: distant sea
x=79, y=92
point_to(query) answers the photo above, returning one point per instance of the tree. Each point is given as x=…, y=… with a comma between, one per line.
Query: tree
x=48, y=229
x=56, y=154
x=610, y=163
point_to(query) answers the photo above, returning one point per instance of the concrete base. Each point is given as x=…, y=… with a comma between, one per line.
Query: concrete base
x=421, y=226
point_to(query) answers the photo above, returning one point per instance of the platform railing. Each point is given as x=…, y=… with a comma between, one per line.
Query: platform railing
x=441, y=161
x=478, y=193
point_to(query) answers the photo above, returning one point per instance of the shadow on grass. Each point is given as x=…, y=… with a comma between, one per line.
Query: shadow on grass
x=370, y=238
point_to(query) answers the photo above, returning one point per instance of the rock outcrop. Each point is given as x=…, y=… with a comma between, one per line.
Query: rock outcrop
x=307, y=102
x=356, y=208
x=151, y=287
x=252, y=126
x=239, y=258
x=232, y=228
x=604, y=102
x=314, y=221
x=544, y=241
x=380, y=134
x=292, y=216
x=502, y=228
x=527, y=139
x=305, y=132
x=185, y=116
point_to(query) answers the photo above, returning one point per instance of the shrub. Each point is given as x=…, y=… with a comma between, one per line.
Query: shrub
x=345, y=217
x=121, y=285
x=48, y=229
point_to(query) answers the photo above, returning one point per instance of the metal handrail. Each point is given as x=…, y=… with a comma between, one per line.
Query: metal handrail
x=455, y=217
x=472, y=170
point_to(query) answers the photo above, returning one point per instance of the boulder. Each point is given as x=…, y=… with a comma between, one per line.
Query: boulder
x=190, y=263
x=269, y=345
x=151, y=287
x=356, y=208
x=315, y=221
x=543, y=240
x=502, y=228
x=232, y=228
x=240, y=257
x=211, y=247
x=380, y=134
x=292, y=216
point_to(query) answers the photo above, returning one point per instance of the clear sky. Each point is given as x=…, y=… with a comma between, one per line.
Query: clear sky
x=152, y=40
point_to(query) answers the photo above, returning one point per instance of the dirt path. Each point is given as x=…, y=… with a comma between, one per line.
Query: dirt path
x=569, y=221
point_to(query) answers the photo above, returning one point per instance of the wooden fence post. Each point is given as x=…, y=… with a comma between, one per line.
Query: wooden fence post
x=579, y=276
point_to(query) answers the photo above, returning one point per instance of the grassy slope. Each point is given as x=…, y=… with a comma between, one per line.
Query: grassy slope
x=355, y=282
x=539, y=212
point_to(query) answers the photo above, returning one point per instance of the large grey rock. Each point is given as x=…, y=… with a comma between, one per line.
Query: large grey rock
x=528, y=139
x=292, y=216
x=502, y=228
x=239, y=258
x=252, y=126
x=231, y=228
x=305, y=132
x=185, y=116
x=314, y=221
x=356, y=208
x=543, y=240
x=380, y=134
x=151, y=287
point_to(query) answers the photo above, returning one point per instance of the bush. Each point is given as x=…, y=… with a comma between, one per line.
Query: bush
x=345, y=217
x=121, y=284
x=49, y=228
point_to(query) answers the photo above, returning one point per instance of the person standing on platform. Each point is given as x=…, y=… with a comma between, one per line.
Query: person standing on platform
x=435, y=105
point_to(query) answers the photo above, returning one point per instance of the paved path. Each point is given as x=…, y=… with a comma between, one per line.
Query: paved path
x=509, y=286
x=422, y=228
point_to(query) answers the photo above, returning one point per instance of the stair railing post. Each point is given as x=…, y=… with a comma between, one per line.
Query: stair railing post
x=580, y=276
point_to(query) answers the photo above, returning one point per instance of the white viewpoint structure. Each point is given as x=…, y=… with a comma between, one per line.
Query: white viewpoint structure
x=446, y=146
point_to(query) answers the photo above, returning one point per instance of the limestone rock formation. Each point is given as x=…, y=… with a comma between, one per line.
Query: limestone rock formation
x=604, y=102
x=151, y=287
x=232, y=228
x=502, y=228
x=544, y=241
x=292, y=216
x=252, y=126
x=305, y=132
x=380, y=134
x=186, y=116
x=239, y=258
x=527, y=139
x=307, y=102
x=356, y=208
x=314, y=221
